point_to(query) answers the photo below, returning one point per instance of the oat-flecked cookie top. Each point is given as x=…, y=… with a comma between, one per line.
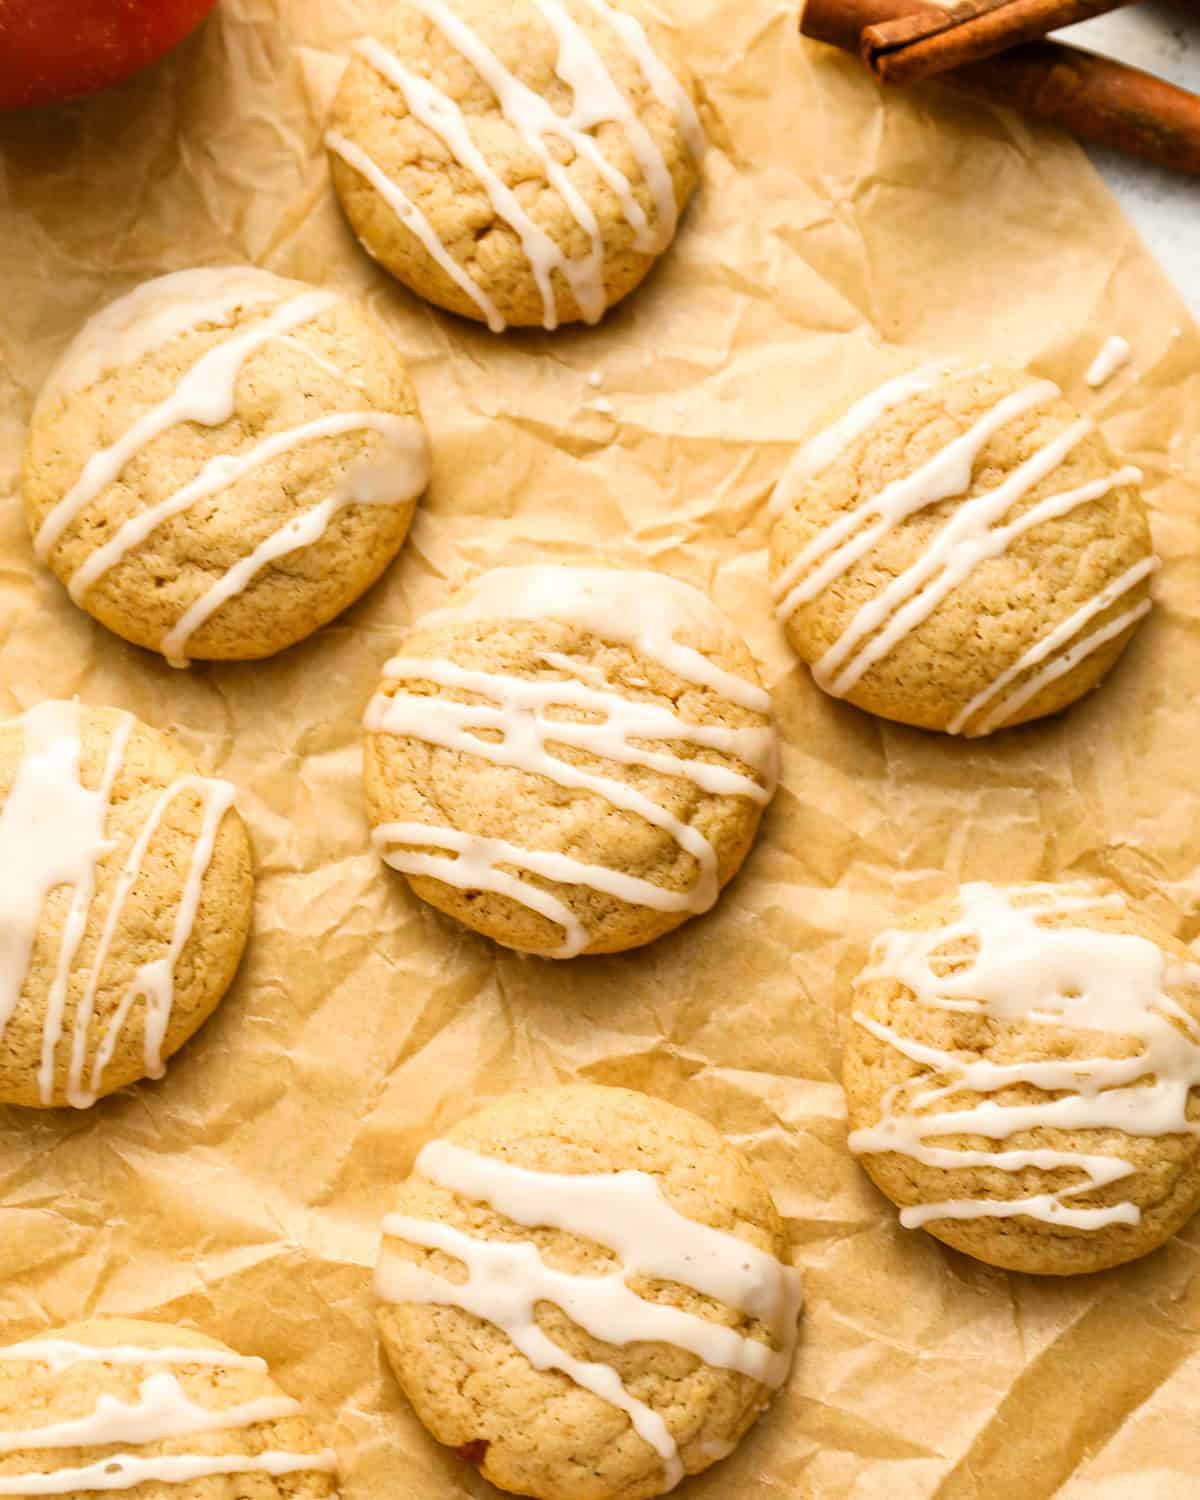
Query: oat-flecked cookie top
x=222, y=461
x=569, y=759
x=125, y=901
x=154, y=1412
x=517, y=161
x=1022, y=1072
x=961, y=551
x=587, y=1292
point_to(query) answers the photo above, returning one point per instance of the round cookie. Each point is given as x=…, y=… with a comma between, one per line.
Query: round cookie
x=517, y=161
x=587, y=1292
x=568, y=759
x=126, y=890
x=222, y=461
x=960, y=551
x=152, y=1411
x=1048, y=1038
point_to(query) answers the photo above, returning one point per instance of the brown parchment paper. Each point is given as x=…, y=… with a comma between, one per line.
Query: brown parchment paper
x=835, y=230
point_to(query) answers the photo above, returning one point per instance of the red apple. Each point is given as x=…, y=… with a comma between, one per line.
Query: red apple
x=58, y=49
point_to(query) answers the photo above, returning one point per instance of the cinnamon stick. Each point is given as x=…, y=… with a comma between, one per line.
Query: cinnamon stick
x=1092, y=98
x=921, y=46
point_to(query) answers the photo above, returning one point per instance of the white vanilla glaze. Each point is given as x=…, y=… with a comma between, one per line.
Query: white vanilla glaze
x=52, y=834
x=668, y=90
x=642, y=609
x=439, y=113
x=157, y=312
x=976, y=531
x=163, y=1411
x=948, y=473
x=154, y=982
x=413, y=219
x=1114, y=355
x=394, y=474
x=401, y=435
x=289, y=342
x=1056, y=651
x=627, y=1213
x=645, y=610
x=828, y=444
x=206, y=394
x=596, y=100
x=1070, y=977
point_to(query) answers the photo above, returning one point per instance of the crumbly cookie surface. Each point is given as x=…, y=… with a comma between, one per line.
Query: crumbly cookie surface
x=538, y=1431
x=516, y=161
x=970, y=557
x=602, y=834
x=1070, y=1010
x=178, y=1415
x=223, y=461
x=127, y=908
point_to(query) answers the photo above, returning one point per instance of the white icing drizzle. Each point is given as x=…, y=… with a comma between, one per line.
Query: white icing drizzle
x=125, y=1471
x=1114, y=355
x=206, y=394
x=53, y=833
x=1069, y=977
x=395, y=475
x=217, y=475
x=670, y=93
x=624, y=720
x=154, y=981
x=413, y=219
x=970, y=537
x=828, y=444
x=535, y=121
x=974, y=533
x=319, y=360
x=845, y=541
x=597, y=100
x=61, y=1354
x=163, y=1411
x=627, y=1213
x=440, y=114
x=1055, y=641
x=519, y=710
x=156, y=313
x=642, y=609
x=477, y=868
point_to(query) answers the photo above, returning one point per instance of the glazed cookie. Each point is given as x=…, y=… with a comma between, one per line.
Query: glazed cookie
x=151, y=1411
x=126, y=890
x=1020, y=1075
x=587, y=1292
x=960, y=551
x=516, y=161
x=570, y=760
x=222, y=461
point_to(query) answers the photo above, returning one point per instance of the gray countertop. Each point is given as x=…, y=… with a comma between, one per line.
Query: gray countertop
x=1165, y=206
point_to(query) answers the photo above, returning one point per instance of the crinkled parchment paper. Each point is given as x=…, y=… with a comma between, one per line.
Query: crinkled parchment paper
x=243, y=1193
